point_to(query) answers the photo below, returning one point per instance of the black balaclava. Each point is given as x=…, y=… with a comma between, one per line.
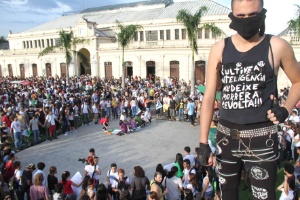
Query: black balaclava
x=249, y=26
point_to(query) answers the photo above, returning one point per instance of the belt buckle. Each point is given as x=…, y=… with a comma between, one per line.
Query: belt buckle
x=234, y=134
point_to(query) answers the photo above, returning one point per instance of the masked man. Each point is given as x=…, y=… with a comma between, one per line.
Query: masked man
x=247, y=63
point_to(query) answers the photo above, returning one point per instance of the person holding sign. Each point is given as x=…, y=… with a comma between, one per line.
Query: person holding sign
x=249, y=114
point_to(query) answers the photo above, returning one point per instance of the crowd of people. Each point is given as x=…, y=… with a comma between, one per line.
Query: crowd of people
x=183, y=179
x=51, y=106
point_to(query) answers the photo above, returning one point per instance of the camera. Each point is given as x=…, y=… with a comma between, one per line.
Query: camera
x=83, y=160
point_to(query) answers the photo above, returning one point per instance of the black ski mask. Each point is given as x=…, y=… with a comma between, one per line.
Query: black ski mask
x=250, y=26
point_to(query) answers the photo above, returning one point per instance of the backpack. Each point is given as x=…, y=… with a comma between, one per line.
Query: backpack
x=13, y=184
x=7, y=174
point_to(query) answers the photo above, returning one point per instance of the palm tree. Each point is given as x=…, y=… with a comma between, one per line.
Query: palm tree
x=294, y=24
x=191, y=22
x=2, y=39
x=216, y=31
x=125, y=36
x=67, y=43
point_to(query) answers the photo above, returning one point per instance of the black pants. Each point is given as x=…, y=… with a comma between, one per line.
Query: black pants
x=287, y=153
x=262, y=173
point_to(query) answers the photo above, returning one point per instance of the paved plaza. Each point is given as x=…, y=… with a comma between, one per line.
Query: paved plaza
x=158, y=142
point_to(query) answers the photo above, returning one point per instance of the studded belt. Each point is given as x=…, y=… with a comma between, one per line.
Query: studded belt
x=235, y=133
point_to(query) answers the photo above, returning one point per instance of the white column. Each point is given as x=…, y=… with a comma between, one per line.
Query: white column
x=94, y=67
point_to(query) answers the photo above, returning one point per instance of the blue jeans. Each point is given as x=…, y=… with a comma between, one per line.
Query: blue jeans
x=133, y=111
x=115, y=112
x=180, y=114
x=126, y=110
x=191, y=117
x=18, y=140
x=36, y=135
x=20, y=192
x=86, y=118
x=108, y=112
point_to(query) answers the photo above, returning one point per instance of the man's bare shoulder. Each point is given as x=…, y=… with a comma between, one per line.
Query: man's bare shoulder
x=217, y=49
x=278, y=42
x=218, y=45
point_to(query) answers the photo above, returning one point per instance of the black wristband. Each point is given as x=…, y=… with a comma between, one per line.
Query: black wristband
x=204, y=153
x=281, y=113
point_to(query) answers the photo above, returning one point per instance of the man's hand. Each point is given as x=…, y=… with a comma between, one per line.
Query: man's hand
x=205, y=155
x=277, y=114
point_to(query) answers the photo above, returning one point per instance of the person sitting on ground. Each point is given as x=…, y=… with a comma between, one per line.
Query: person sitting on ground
x=132, y=125
x=139, y=120
x=145, y=118
x=123, y=127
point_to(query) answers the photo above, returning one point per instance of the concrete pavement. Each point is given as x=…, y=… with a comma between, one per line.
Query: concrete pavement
x=158, y=142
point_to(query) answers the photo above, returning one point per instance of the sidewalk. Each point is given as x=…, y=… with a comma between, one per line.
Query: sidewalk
x=158, y=142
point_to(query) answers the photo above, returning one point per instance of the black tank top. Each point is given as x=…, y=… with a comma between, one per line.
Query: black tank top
x=247, y=79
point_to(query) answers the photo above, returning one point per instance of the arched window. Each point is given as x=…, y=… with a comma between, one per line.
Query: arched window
x=200, y=72
x=174, y=69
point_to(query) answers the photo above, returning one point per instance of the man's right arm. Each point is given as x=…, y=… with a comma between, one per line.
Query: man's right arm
x=207, y=107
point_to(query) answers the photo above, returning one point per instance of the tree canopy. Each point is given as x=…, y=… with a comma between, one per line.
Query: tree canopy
x=294, y=24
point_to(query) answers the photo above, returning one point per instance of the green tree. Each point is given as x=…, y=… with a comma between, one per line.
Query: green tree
x=68, y=43
x=2, y=39
x=125, y=36
x=191, y=22
x=294, y=24
x=216, y=31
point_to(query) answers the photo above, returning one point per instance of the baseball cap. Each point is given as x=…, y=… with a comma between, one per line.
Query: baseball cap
x=31, y=166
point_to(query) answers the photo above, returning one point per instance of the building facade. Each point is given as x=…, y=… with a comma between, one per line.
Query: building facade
x=161, y=48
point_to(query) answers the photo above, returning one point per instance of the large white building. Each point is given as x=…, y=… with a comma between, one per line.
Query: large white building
x=161, y=47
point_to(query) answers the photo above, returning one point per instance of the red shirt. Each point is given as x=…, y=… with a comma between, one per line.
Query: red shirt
x=6, y=119
x=67, y=187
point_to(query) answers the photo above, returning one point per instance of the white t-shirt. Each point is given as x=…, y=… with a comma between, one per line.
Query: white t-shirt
x=85, y=108
x=112, y=176
x=133, y=103
x=90, y=170
x=283, y=196
x=289, y=135
x=297, y=144
x=209, y=187
x=122, y=117
x=295, y=119
x=50, y=118
x=16, y=126
x=18, y=174
x=172, y=184
x=95, y=109
x=186, y=176
x=191, y=187
x=75, y=108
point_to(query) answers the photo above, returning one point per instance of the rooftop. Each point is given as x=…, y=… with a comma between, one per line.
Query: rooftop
x=133, y=12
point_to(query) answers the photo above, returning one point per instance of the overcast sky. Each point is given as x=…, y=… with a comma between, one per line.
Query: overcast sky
x=20, y=15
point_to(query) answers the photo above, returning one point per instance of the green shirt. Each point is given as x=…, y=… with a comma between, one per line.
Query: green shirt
x=180, y=172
